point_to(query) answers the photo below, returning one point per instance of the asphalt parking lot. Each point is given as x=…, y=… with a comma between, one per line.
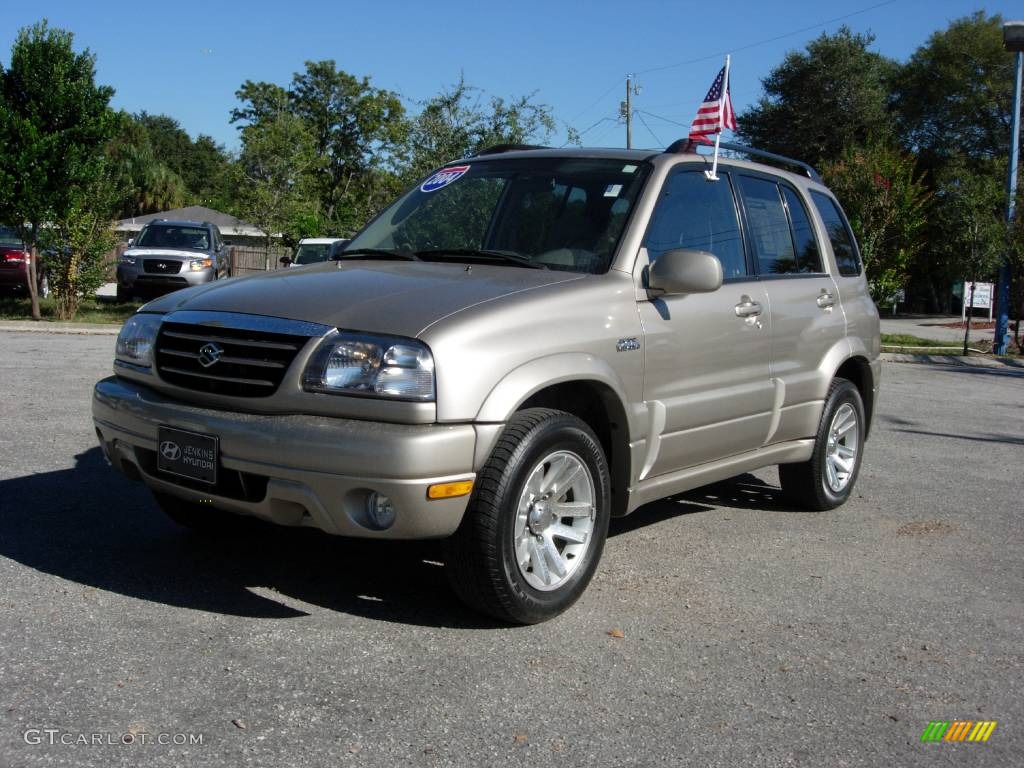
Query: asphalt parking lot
x=751, y=634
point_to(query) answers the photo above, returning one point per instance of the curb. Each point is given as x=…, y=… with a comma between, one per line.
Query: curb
x=954, y=361
x=45, y=326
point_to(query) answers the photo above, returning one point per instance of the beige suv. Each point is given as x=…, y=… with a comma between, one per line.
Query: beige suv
x=524, y=345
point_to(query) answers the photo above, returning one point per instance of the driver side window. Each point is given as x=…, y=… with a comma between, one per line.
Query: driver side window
x=698, y=214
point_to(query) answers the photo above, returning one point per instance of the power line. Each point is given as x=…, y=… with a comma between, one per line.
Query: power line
x=768, y=40
x=658, y=141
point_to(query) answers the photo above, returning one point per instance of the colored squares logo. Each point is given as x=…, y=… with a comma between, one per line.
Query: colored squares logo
x=958, y=730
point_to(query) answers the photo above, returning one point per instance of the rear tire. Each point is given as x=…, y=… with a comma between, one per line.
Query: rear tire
x=203, y=518
x=826, y=480
x=532, y=536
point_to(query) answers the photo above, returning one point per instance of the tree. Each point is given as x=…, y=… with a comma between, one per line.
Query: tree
x=953, y=98
x=79, y=239
x=275, y=164
x=886, y=201
x=970, y=213
x=456, y=123
x=354, y=130
x=821, y=101
x=54, y=124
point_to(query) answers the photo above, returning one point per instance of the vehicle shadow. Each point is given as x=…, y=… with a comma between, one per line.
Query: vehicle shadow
x=92, y=526
x=741, y=492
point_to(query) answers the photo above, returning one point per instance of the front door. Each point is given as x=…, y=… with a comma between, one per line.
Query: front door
x=706, y=379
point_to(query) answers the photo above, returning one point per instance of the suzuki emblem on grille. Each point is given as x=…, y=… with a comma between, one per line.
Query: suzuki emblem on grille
x=170, y=451
x=209, y=354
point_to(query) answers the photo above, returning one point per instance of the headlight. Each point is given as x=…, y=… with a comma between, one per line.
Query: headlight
x=378, y=366
x=129, y=260
x=135, y=342
x=197, y=265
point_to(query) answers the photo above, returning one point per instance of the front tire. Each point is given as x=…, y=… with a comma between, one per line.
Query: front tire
x=124, y=294
x=827, y=479
x=535, y=528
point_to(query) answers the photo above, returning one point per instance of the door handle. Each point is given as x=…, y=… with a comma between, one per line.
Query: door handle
x=826, y=300
x=747, y=308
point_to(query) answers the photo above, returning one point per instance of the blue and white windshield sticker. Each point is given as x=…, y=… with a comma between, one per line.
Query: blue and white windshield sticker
x=444, y=177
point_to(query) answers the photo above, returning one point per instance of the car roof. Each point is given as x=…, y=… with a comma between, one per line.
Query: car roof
x=319, y=240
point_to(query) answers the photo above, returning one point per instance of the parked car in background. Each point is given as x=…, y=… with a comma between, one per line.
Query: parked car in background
x=521, y=347
x=14, y=256
x=168, y=255
x=313, y=250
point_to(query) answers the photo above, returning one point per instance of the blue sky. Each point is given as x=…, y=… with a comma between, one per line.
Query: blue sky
x=189, y=62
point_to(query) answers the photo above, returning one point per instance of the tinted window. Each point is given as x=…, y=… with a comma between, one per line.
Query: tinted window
x=839, y=234
x=808, y=259
x=769, y=226
x=695, y=213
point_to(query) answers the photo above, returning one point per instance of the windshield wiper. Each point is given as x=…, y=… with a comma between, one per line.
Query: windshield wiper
x=480, y=253
x=378, y=252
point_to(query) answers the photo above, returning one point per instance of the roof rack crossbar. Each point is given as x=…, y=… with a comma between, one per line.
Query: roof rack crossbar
x=687, y=145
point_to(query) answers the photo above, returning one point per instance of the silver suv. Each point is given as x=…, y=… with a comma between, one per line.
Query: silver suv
x=521, y=347
x=169, y=255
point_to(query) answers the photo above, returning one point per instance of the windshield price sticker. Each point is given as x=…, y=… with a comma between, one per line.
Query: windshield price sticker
x=444, y=177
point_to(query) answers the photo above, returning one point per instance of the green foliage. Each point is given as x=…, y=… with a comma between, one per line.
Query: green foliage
x=821, y=101
x=54, y=123
x=953, y=97
x=275, y=166
x=456, y=123
x=78, y=241
x=887, y=204
x=970, y=214
x=353, y=130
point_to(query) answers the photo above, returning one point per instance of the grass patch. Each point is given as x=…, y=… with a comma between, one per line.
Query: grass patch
x=90, y=311
x=907, y=340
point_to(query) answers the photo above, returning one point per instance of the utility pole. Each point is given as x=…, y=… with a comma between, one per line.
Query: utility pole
x=626, y=109
x=1013, y=40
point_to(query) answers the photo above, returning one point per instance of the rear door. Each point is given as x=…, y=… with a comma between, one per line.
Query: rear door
x=706, y=378
x=807, y=318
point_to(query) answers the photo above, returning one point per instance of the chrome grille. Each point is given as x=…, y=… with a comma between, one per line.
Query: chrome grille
x=239, y=362
x=162, y=266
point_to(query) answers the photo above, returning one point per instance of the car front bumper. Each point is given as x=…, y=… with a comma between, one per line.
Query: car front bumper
x=136, y=278
x=295, y=470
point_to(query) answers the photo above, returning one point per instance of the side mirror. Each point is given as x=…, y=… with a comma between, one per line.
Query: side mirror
x=131, y=240
x=685, y=271
x=285, y=261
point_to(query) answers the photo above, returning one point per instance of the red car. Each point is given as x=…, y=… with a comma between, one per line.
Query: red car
x=14, y=265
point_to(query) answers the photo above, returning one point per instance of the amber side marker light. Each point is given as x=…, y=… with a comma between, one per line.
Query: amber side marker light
x=449, y=490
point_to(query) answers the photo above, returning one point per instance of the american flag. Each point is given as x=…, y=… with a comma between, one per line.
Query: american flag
x=712, y=116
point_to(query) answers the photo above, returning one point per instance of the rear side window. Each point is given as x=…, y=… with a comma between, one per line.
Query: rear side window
x=691, y=213
x=769, y=226
x=808, y=258
x=839, y=234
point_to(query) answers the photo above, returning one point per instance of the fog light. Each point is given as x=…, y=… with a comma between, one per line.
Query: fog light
x=380, y=510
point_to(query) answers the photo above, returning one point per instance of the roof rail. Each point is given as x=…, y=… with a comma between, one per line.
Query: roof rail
x=682, y=146
x=497, y=149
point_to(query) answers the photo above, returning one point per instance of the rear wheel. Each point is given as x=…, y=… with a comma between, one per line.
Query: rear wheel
x=194, y=515
x=536, y=525
x=827, y=479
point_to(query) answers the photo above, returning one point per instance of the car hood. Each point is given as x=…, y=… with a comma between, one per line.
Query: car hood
x=165, y=253
x=400, y=298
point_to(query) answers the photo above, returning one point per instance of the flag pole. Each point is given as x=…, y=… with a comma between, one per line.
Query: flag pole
x=713, y=173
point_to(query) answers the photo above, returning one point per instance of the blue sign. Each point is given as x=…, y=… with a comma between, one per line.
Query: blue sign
x=443, y=178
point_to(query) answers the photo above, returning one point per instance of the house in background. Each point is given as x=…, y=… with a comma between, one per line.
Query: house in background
x=232, y=229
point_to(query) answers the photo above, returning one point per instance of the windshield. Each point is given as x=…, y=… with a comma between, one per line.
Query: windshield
x=560, y=213
x=163, y=236
x=310, y=253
